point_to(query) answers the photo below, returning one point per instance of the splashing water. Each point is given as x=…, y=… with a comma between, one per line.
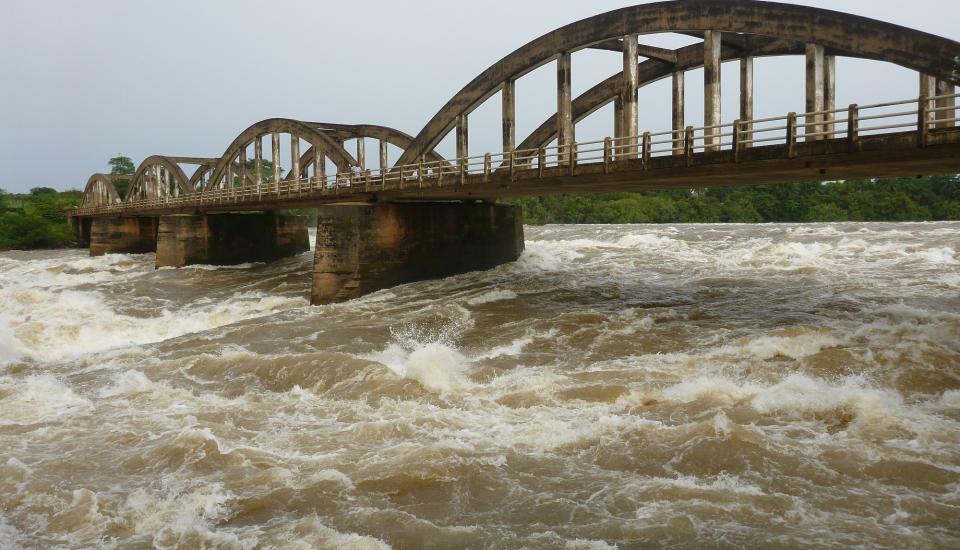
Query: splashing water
x=619, y=386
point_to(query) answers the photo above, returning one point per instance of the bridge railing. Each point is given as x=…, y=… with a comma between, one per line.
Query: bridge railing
x=919, y=115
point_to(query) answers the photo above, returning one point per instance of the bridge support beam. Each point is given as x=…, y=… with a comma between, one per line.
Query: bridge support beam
x=229, y=239
x=363, y=248
x=122, y=235
x=816, y=85
x=942, y=117
x=712, y=43
x=565, y=137
x=629, y=109
x=746, y=96
x=678, y=112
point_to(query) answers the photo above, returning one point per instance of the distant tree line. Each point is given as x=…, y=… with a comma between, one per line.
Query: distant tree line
x=884, y=199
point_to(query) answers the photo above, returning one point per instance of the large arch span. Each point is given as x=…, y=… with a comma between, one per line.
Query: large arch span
x=738, y=20
x=726, y=30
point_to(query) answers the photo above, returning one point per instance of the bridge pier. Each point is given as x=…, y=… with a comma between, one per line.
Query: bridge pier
x=229, y=239
x=362, y=248
x=118, y=235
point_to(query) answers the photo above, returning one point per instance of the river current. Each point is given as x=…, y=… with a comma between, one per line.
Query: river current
x=618, y=386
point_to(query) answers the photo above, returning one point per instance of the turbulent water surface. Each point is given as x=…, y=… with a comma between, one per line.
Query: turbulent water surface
x=728, y=385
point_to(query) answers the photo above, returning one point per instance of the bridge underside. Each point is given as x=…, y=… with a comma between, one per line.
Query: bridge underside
x=360, y=248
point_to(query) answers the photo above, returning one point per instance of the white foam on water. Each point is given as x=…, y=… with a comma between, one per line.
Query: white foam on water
x=491, y=296
x=8, y=533
x=38, y=398
x=54, y=325
x=941, y=256
x=794, y=347
x=9, y=345
x=723, y=483
x=128, y=383
x=550, y=255
x=437, y=366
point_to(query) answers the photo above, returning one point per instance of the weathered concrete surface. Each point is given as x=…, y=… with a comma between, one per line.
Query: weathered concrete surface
x=229, y=239
x=81, y=229
x=111, y=235
x=362, y=248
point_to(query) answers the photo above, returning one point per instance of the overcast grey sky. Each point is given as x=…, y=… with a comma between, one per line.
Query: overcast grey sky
x=81, y=82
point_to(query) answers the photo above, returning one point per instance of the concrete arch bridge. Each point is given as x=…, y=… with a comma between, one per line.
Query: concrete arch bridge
x=425, y=216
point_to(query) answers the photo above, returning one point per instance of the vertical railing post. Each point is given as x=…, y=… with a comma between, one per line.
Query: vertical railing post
x=646, y=150
x=420, y=169
x=607, y=154
x=258, y=163
x=923, y=124
x=541, y=161
x=737, y=139
x=462, y=162
x=792, y=135
x=513, y=165
x=487, y=166
x=688, y=145
x=853, y=127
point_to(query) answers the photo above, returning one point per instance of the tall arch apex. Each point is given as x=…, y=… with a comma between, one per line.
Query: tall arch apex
x=836, y=31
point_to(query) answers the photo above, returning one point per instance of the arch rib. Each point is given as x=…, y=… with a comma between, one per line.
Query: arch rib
x=854, y=35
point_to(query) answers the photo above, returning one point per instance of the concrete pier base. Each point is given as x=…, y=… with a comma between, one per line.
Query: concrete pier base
x=229, y=239
x=122, y=235
x=81, y=229
x=368, y=247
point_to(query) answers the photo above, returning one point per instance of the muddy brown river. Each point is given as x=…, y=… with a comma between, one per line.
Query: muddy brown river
x=715, y=386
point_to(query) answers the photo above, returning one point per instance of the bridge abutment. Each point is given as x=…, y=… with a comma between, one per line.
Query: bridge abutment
x=116, y=235
x=362, y=248
x=229, y=239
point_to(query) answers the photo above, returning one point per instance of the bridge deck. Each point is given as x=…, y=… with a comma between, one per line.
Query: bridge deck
x=896, y=154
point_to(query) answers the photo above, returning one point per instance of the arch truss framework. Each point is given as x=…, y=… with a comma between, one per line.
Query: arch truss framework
x=725, y=30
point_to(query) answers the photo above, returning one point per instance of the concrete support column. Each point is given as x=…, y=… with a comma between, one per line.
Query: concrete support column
x=829, y=93
x=295, y=156
x=319, y=165
x=564, y=107
x=617, y=120
x=746, y=95
x=364, y=248
x=679, y=115
x=362, y=153
x=711, y=88
x=463, y=136
x=229, y=239
x=122, y=235
x=945, y=88
x=928, y=88
x=815, y=89
x=275, y=152
x=258, y=160
x=243, y=166
x=630, y=127
x=384, y=163
x=509, y=115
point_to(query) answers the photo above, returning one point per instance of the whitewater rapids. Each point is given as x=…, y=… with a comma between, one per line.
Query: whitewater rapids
x=618, y=386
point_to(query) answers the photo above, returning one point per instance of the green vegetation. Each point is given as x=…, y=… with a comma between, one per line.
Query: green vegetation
x=121, y=166
x=888, y=199
x=266, y=170
x=36, y=220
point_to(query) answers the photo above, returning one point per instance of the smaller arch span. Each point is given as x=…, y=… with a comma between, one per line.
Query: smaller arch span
x=295, y=128
x=100, y=190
